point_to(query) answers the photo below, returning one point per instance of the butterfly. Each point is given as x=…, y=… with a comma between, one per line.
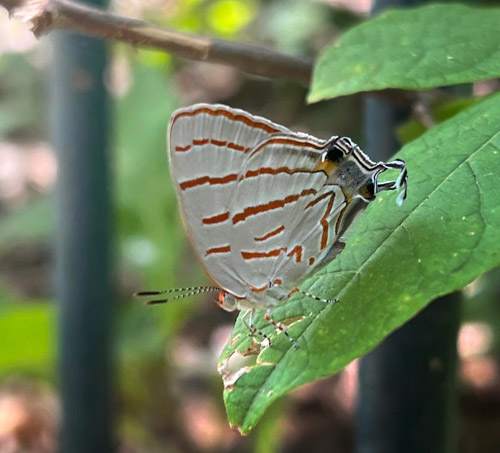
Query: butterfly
x=265, y=207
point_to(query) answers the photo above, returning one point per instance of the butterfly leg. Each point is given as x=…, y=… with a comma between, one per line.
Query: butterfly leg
x=252, y=330
x=280, y=327
x=311, y=296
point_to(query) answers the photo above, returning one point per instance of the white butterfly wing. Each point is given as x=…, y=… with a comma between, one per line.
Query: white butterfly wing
x=207, y=147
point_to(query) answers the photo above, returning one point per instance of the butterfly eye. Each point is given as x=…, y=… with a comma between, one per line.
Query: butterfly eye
x=335, y=154
x=368, y=190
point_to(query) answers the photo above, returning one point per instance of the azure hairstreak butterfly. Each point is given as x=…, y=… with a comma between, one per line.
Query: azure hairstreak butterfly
x=264, y=207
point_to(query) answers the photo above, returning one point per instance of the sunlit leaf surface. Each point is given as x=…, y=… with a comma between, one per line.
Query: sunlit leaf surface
x=408, y=49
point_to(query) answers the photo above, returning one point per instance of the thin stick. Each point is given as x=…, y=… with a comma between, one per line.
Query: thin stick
x=47, y=15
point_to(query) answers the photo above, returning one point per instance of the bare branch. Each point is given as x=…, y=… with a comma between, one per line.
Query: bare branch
x=47, y=15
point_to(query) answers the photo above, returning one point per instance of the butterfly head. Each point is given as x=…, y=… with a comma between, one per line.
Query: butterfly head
x=350, y=168
x=227, y=301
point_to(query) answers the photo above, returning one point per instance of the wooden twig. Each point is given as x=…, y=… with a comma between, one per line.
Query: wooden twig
x=47, y=15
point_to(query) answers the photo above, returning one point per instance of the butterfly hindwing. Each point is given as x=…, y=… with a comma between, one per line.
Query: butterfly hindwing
x=207, y=147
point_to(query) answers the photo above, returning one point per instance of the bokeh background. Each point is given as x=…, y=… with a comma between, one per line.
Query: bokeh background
x=167, y=390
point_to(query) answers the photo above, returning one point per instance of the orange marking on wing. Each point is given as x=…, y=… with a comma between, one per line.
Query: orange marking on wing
x=276, y=171
x=217, y=142
x=270, y=234
x=223, y=249
x=230, y=115
x=311, y=261
x=320, y=198
x=207, y=180
x=289, y=141
x=260, y=289
x=275, y=204
x=324, y=224
x=339, y=220
x=237, y=147
x=216, y=218
x=297, y=250
x=270, y=254
x=204, y=141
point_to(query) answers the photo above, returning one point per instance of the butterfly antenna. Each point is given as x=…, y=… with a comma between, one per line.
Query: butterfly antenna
x=178, y=293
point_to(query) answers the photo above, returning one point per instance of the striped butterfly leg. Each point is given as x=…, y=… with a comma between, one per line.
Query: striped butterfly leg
x=280, y=327
x=311, y=296
x=252, y=330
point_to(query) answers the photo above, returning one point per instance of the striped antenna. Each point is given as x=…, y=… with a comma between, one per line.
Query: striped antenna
x=179, y=293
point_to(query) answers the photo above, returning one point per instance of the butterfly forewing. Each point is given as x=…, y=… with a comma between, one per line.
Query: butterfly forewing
x=207, y=147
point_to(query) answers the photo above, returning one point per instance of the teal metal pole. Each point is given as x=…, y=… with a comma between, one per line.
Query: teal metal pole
x=79, y=129
x=407, y=394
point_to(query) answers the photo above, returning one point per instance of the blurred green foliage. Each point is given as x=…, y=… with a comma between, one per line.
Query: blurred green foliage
x=27, y=339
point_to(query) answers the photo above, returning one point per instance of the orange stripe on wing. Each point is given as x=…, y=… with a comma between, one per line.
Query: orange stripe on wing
x=212, y=141
x=324, y=224
x=302, y=143
x=260, y=289
x=270, y=254
x=277, y=171
x=275, y=204
x=320, y=198
x=223, y=249
x=249, y=174
x=297, y=251
x=216, y=218
x=272, y=233
x=230, y=115
x=207, y=180
x=341, y=215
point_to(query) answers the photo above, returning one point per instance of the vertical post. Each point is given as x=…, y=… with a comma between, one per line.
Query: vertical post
x=407, y=384
x=79, y=128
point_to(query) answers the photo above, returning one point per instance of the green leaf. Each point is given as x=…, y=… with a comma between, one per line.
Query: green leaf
x=27, y=338
x=397, y=259
x=415, y=49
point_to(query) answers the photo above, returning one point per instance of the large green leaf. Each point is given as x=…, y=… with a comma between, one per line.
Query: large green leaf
x=414, y=49
x=397, y=259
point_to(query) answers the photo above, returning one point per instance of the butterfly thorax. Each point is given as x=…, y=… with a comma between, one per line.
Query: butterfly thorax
x=349, y=168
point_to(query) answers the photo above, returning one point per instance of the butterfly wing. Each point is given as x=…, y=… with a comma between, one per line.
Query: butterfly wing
x=207, y=148
x=283, y=210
